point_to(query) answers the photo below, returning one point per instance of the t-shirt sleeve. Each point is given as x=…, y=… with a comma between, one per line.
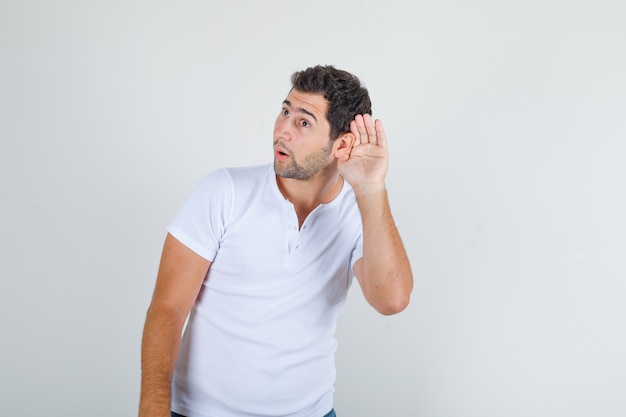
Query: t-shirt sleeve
x=201, y=221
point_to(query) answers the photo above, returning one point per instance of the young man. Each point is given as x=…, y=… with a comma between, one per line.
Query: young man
x=263, y=258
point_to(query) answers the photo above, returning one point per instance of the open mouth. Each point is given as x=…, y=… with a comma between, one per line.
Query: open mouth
x=280, y=154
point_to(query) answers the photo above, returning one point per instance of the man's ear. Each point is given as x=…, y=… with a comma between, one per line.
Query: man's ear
x=343, y=145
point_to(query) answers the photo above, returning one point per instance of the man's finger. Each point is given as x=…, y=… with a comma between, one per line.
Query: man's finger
x=360, y=124
x=370, y=129
x=380, y=133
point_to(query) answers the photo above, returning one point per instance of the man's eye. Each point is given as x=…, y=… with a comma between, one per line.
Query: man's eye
x=285, y=112
x=304, y=123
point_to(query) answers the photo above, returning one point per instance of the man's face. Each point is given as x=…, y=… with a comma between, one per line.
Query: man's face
x=302, y=145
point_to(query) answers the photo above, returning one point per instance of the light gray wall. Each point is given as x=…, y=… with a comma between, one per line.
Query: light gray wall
x=507, y=130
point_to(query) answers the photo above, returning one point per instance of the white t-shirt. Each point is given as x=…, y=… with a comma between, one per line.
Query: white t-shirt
x=260, y=338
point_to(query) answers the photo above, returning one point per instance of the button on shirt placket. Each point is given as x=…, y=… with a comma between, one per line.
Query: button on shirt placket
x=292, y=229
x=296, y=237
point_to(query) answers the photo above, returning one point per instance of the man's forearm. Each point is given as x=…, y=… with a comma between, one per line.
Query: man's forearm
x=160, y=345
x=386, y=276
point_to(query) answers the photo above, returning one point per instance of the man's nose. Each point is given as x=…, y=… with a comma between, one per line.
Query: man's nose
x=282, y=129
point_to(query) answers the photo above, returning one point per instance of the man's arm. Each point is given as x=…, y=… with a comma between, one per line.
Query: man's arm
x=383, y=272
x=179, y=280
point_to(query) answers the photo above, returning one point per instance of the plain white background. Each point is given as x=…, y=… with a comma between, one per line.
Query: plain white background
x=507, y=129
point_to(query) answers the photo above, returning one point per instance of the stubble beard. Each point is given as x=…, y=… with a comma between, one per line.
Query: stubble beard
x=310, y=166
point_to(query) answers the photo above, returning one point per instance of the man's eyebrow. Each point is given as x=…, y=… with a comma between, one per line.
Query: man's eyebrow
x=299, y=109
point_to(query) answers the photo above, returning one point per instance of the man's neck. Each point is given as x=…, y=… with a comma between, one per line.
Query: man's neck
x=306, y=195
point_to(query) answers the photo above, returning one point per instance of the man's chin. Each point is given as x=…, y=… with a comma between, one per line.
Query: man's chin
x=286, y=173
x=280, y=169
